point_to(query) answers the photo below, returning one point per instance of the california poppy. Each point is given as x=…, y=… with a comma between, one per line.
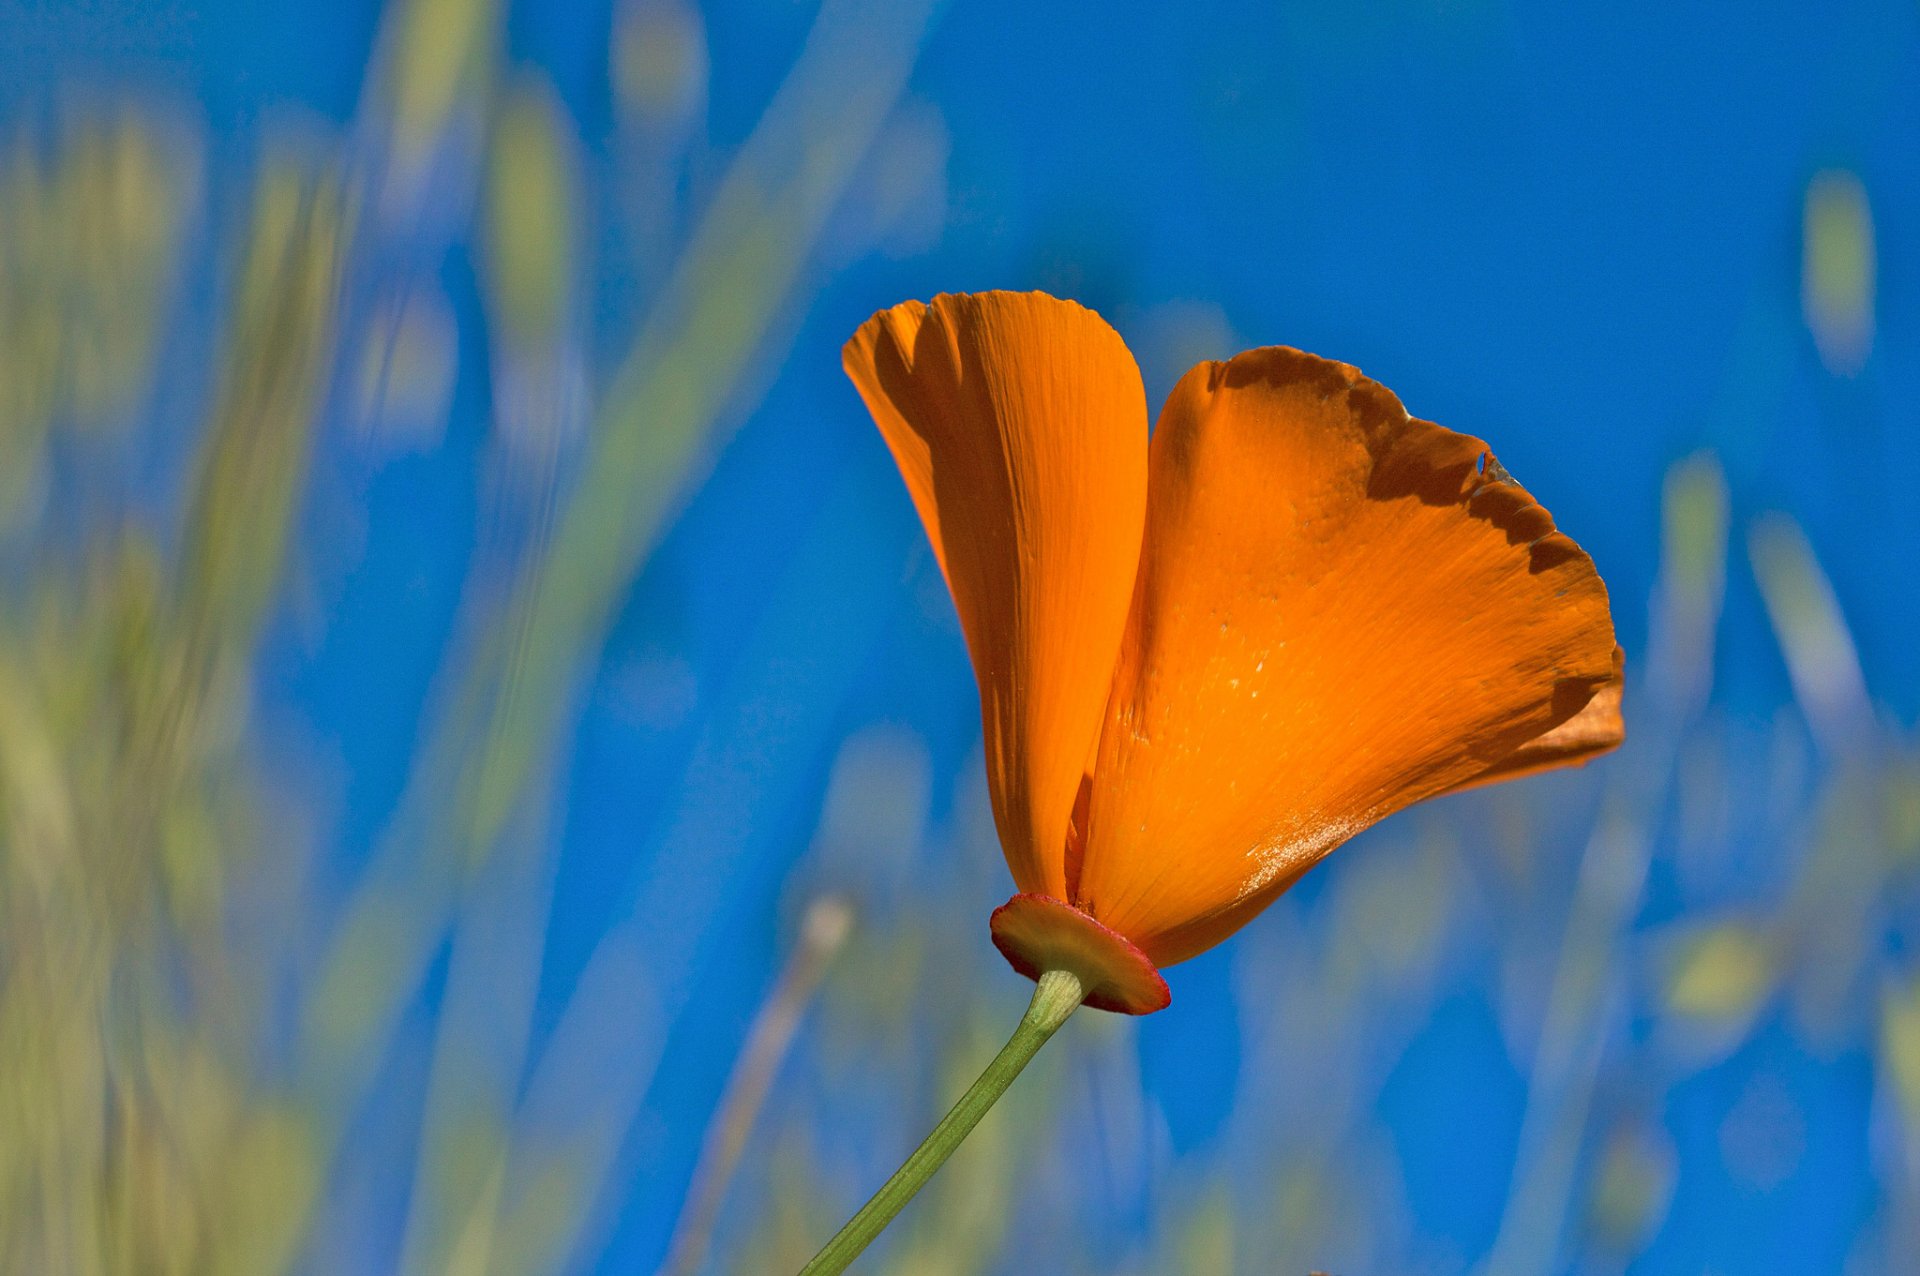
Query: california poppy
x=1207, y=660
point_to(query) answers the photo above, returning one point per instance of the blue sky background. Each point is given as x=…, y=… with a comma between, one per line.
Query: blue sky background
x=1573, y=229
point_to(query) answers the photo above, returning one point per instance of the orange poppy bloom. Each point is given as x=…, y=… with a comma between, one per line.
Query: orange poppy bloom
x=1206, y=661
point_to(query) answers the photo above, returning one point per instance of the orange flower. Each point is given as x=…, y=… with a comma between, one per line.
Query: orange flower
x=1207, y=661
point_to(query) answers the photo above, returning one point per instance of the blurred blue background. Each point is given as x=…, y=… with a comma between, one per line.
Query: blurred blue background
x=595, y=769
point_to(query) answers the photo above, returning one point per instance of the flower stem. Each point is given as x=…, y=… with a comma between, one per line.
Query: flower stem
x=1056, y=994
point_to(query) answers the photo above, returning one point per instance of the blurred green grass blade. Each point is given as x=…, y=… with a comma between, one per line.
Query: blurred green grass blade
x=532, y=201
x=141, y=1136
x=90, y=236
x=439, y=64
x=738, y=274
x=1692, y=581
x=658, y=428
x=479, y=1056
x=1814, y=637
x=1838, y=270
x=590, y=1081
x=281, y=340
x=823, y=931
x=1721, y=972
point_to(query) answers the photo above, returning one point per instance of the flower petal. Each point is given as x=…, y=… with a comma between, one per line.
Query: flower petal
x=1340, y=611
x=1020, y=426
x=1599, y=728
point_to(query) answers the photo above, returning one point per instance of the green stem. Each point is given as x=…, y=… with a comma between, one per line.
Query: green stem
x=1056, y=994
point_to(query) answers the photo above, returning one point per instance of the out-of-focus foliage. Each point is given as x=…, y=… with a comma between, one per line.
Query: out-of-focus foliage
x=1837, y=278
x=187, y=1032
x=90, y=228
x=228, y=1047
x=143, y=1135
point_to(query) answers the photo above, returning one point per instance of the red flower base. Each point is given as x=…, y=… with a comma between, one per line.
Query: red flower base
x=1037, y=933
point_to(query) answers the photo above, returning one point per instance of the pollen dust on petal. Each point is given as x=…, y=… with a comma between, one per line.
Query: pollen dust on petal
x=1287, y=856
